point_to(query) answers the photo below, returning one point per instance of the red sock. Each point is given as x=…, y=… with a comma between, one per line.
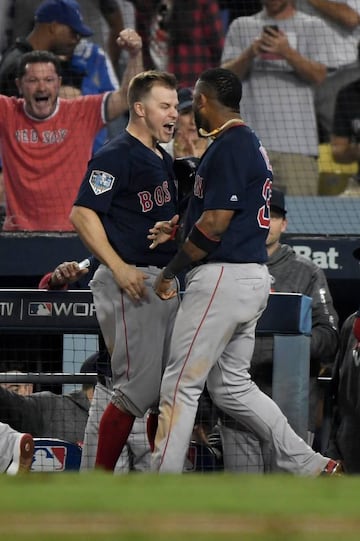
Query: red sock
x=151, y=428
x=114, y=429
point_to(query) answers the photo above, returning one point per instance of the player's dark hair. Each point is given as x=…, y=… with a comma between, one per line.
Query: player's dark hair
x=142, y=84
x=36, y=57
x=223, y=85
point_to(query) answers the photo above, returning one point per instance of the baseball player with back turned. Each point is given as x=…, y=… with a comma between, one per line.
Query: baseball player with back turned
x=128, y=185
x=226, y=291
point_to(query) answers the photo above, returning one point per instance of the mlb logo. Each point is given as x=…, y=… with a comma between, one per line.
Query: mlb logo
x=49, y=458
x=52, y=455
x=40, y=309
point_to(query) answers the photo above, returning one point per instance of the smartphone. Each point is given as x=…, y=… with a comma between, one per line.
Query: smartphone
x=84, y=264
x=272, y=26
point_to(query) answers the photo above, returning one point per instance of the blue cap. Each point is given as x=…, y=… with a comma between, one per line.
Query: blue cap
x=63, y=12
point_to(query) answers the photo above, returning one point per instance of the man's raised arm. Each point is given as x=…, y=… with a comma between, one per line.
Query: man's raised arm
x=129, y=40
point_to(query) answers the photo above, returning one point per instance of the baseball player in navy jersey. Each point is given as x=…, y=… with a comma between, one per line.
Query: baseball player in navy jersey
x=129, y=185
x=226, y=291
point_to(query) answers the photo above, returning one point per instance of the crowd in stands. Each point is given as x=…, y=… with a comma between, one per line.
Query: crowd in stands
x=65, y=70
x=292, y=61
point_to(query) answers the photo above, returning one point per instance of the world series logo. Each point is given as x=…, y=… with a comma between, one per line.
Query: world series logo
x=48, y=309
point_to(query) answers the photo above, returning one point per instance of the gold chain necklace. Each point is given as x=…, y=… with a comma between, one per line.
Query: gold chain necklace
x=214, y=133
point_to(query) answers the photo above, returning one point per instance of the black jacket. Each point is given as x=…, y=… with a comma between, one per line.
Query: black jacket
x=292, y=273
x=46, y=414
x=345, y=440
x=9, y=64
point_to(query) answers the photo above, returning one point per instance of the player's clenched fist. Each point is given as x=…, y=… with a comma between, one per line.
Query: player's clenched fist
x=130, y=40
x=165, y=289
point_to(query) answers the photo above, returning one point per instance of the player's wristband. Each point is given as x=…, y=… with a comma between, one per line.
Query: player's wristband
x=179, y=262
x=173, y=232
x=45, y=283
x=203, y=242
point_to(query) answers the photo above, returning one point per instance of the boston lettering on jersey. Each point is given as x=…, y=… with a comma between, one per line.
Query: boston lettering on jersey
x=131, y=188
x=45, y=136
x=161, y=195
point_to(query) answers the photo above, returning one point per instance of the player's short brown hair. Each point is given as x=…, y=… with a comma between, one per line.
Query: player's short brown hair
x=143, y=82
x=36, y=57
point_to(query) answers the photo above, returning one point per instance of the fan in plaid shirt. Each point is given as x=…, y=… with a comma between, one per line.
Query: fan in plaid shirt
x=184, y=37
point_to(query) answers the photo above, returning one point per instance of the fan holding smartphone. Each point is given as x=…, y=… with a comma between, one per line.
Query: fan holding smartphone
x=268, y=43
x=280, y=55
x=269, y=27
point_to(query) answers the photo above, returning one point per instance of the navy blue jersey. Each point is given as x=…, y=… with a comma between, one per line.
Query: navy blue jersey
x=131, y=188
x=235, y=174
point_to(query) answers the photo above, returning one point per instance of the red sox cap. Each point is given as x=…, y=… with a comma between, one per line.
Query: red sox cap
x=185, y=97
x=277, y=201
x=64, y=12
x=90, y=364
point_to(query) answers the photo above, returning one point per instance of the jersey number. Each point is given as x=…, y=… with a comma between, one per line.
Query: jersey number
x=263, y=216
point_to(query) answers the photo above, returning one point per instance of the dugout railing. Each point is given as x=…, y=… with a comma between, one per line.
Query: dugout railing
x=287, y=317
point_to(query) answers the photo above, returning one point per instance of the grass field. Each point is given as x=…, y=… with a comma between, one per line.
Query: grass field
x=202, y=507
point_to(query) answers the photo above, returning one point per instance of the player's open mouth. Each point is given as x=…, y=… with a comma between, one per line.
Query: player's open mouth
x=169, y=127
x=41, y=99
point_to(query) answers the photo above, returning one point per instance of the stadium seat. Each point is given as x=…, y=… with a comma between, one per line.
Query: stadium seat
x=333, y=176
